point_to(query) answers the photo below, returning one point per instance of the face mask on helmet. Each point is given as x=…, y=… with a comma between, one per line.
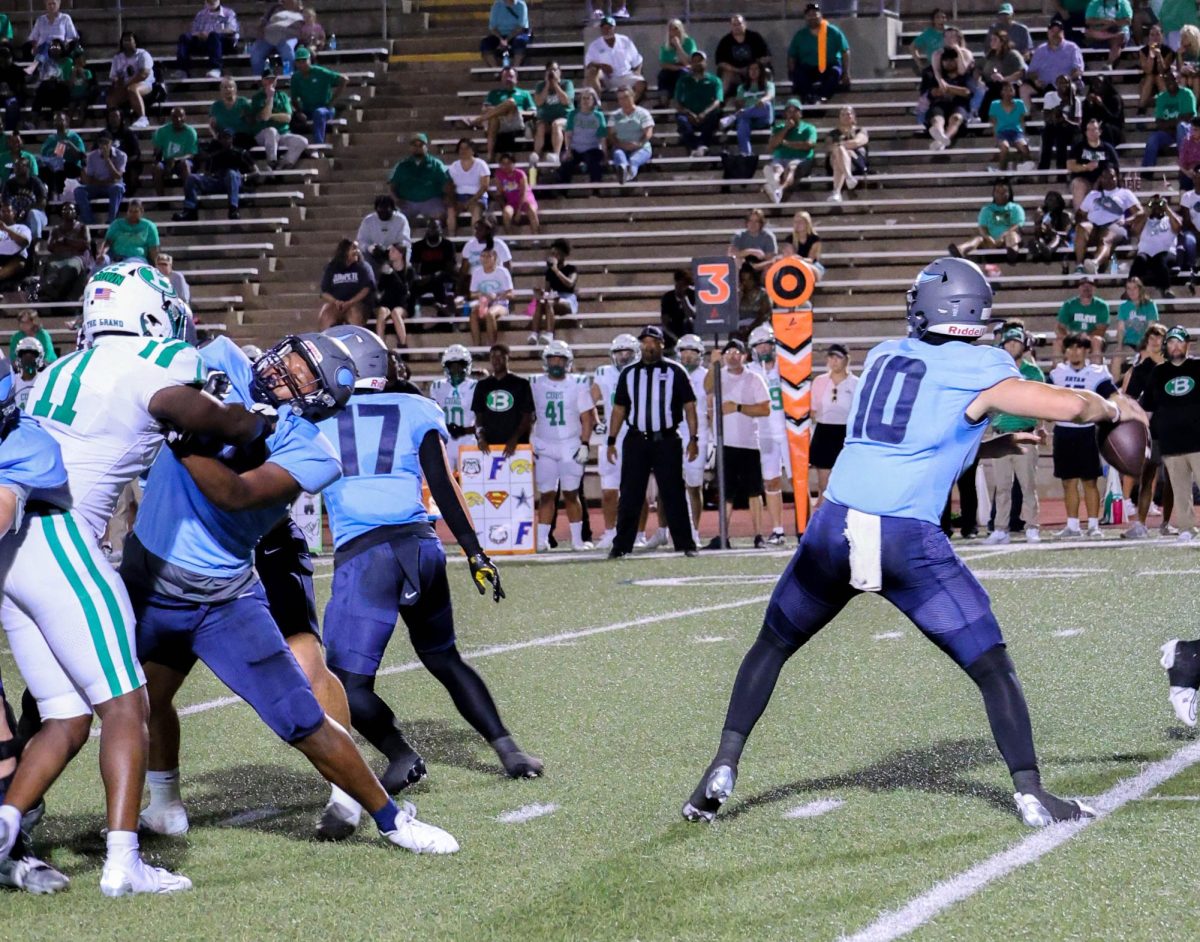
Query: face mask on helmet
x=764, y=352
x=10, y=415
x=556, y=367
x=622, y=358
x=296, y=373
x=456, y=371
x=690, y=360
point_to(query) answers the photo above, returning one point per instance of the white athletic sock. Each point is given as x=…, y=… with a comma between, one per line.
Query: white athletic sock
x=577, y=533
x=123, y=848
x=1093, y=522
x=1072, y=523
x=164, y=787
x=343, y=800
x=543, y=533
x=12, y=824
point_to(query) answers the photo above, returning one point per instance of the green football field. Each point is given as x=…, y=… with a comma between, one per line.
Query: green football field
x=870, y=803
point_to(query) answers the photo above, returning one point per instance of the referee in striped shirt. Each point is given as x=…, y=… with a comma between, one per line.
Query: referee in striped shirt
x=653, y=396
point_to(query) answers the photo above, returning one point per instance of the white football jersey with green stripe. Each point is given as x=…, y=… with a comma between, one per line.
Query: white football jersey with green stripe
x=96, y=405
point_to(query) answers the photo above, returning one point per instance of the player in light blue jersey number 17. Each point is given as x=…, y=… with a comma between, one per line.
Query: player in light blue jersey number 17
x=917, y=419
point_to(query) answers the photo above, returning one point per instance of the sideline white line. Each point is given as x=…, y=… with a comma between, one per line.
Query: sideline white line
x=1170, y=798
x=889, y=635
x=814, y=809
x=527, y=813
x=1068, y=632
x=894, y=925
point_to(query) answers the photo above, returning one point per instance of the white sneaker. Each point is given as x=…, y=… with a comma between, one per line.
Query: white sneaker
x=118, y=880
x=213, y=73
x=533, y=159
x=544, y=547
x=940, y=137
x=1026, y=166
x=621, y=14
x=583, y=547
x=1089, y=266
x=699, y=151
x=1130, y=509
x=546, y=336
x=597, y=14
x=659, y=538
x=1067, y=533
x=727, y=122
x=1095, y=533
x=606, y=541
x=532, y=338
x=851, y=182
x=996, y=537
x=1136, y=532
x=170, y=819
x=142, y=122
x=834, y=197
x=1168, y=530
x=419, y=837
x=1033, y=535
x=1185, y=536
x=553, y=160
x=31, y=875
x=1183, y=699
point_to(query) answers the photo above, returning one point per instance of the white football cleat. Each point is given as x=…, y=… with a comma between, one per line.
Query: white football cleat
x=1068, y=533
x=1095, y=533
x=1036, y=815
x=419, y=837
x=606, y=540
x=583, y=547
x=119, y=880
x=996, y=537
x=31, y=875
x=169, y=819
x=1183, y=699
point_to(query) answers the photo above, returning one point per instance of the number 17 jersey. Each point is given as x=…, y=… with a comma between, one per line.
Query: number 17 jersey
x=908, y=437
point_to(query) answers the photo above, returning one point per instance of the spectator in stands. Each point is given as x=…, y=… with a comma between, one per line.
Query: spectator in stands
x=130, y=236
x=66, y=268
x=612, y=61
x=1189, y=209
x=745, y=399
x=677, y=308
x=1174, y=109
x=16, y=151
x=6, y=30
x=1103, y=102
x=213, y=33
x=347, y=286
x=1082, y=315
x=225, y=167
x=491, y=295
x=928, y=41
x=502, y=421
x=1022, y=466
x=754, y=246
x=1007, y=115
x=586, y=138
x=955, y=45
x=62, y=156
x=125, y=140
x=165, y=263
x=132, y=78
x=12, y=89
x=53, y=78
x=1089, y=157
x=278, y=33
x=1154, y=59
x=1002, y=66
x=15, y=240
x=419, y=182
x=1149, y=356
x=1137, y=312
x=1157, y=237
x=818, y=58
x=1000, y=223
x=1187, y=54
x=1173, y=396
x=1052, y=227
x=736, y=50
x=1017, y=33
x=697, y=102
x=53, y=24
x=472, y=251
x=1056, y=56
x=504, y=112
x=383, y=230
x=804, y=242
x=1062, y=111
x=674, y=59
x=83, y=88
x=754, y=306
x=832, y=393
x=791, y=146
x=1103, y=219
x=30, y=325
x=555, y=100
x=175, y=149
x=231, y=112
x=557, y=297
x=393, y=296
x=515, y=195
x=1189, y=157
x=314, y=88
x=1107, y=26
x=949, y=100
x=434, y=269
x=101, y=179
x=1175, y=16
x=846, y=159
x=754, y=106
x=27, y=194
x=271, y=112
x=630, y=129
x=312, y=33
x=508, y=34
x=467, y=189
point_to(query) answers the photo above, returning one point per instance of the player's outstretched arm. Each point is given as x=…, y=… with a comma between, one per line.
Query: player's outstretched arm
x=190, y=410
x=268, y=485
x=1053, y=403
x=9, y=507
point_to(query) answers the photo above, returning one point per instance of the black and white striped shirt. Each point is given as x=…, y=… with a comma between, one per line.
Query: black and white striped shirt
x=654, y=395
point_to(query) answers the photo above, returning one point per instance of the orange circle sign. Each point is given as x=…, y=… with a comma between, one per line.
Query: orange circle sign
x=790, y=282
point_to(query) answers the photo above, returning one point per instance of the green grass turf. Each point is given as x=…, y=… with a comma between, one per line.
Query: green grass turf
x=626, y=721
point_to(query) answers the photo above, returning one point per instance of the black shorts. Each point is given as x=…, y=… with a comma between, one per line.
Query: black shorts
x=743, y=474
x=1076, y=453
x=285, y=568
x=827, y=443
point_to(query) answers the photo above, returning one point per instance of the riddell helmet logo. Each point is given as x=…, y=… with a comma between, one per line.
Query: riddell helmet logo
x=963, y=330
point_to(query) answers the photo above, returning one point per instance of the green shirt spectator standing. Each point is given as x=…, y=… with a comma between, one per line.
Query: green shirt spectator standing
x=418, y=182
x=131, y=236
x=1083, y=313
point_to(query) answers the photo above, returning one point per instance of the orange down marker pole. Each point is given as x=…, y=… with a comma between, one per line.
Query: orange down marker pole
x=790, y=284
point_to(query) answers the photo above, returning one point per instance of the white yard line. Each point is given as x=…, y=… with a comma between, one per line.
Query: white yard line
x=814, y=809
x=889, y=635
x=919, y=911
x=527, y=813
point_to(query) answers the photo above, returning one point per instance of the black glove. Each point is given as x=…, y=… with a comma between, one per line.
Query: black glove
x=186, y=444
x=483, y=571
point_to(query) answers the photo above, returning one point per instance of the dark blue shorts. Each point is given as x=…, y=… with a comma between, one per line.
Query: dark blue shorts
x=404, y=576
x=241, y=644
x=285, y=567
x=922, y=577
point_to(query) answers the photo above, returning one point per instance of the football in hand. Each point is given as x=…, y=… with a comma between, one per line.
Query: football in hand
x=1125, y=445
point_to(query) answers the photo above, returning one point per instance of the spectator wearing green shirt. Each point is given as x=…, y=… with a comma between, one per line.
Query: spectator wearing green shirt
x=30, y=325
x=504, y=111
x=1174, y=108
x=1174, y=15
x=271, y=112
x=175, y=144
x=1083, y=313
x=629, y=132
x=130, y=236
x=674, y=58
x=314, y=88
x=1021, y=466
x=818, y=58
x=929, y=40
x=587, y=135
x=555, y=100
x=1136, y=313
x=63, y=153
x=418, y=182
x=1107, y=26
x=6, y=31
x=1000, y=223
x=755, y=105
x=16, y=150
x=231, y=112
x=1007, y=115
x=697, y=103
x=791, y=146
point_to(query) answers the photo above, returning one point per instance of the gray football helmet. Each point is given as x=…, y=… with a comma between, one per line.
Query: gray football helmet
x=950, y=298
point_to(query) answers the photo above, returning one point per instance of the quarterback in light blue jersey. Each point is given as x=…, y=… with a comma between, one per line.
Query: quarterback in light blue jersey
x=917, y=419
x=388, y=560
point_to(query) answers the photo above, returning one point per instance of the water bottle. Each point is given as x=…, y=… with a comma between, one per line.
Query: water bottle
x=332, y=41
x=505, y=60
